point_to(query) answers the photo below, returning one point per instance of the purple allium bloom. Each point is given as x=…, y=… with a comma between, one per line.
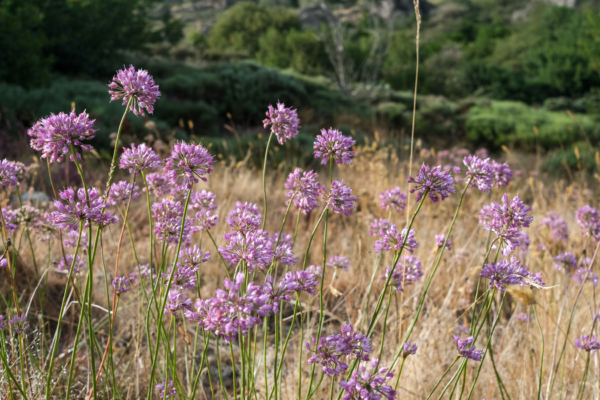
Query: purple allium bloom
x=203, y=200
x=589, y=221
x=283, y=250
x=176, y=301
x=505, y=272
x=409, y=265
x=397, y=278
x=71, y=237
x=265, y=298
x=188, y=163
x=206, y=220
x=468, y=352
x=524, y=317
x=256, y=249
x=8, y=174
x=244, y=217
x=3, y=262
x=339, y=199
x=441, y=239
x=331, y=143
x=10, y=220
x=75, y=210
x=141, y=271
x=168, y=216
x=28, y=216
x=21, y=171
x=524, y=242
x=338, y=262
x=434, y=182
x=54, y=135
x=19, y=324
x=192, y=257
x=284, y=122
x=299, y=281
x=502, y=174
x=587, y=343
x=2, y=322
x=161, y=184
x=166, y=389
x=409, y=349
x=139, y=85
x=119, y=193
x=121, y=284
x=391, y=239
x=581, y=273
x=184, y=277
x=379, y=226
x=566, y=261
x=392, y=199
x=559, y=231
x=369, y=385
x=305, y=188
x=480, y=171
x=79, y=264
x=139, y=159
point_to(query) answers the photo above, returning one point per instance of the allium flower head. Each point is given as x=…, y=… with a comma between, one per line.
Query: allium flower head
x=392, y=239
x=559, y=231
x=119, y=193
x=162, y=184
x=433, y=181
x=54, y=135
x=440, y=240
x=184, y=277
x=76, y=209
x=3, y=262
x=379, y=226
x=339, y=199
x=10, y=220
x=168, y=217
x=331, y=143
x=177, y=301
x=480, y=171
x=589, y=221
x=2, y=322
x=192, y=257
x=283, y=250
x=409, y=349
x=284, y=122
x=137, y=85
x=19, y=324
x=8, y=174
x=524, y=317
x=244, y=217
x=409, y=265
x=21, y=170
x=206, y=220
x=468, y=352
x=166, y=389
x=188, y=163
x=506, y=221
x=255, y=248
x=505, y=272
x=300, y=281
x=587, y=343
x=369, y=385
x=338, y=262
x=203, y=200
x=142, y=271
x=66, y=267
x=502, y=174
x=28, y=216
x=121, y=284
x=566, y=261
x=587, y=274
x=305, y=188
x=139, y=159
x=392, y=199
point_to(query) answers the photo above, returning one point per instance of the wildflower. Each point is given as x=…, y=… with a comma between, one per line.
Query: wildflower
x=523, y=242
x=176, y=301
x=283, y=250
x=505, y=272
x=566, y=261
x=21, y=171
x=589, y=221
x=305, y=189
x=379, y=226
x=2, y=322
x=137, y=85
x=139, y=159
x=264, y=298
x=339, y=199
x=391, y=239
x=56, y=135
x=284, y=122
x=8, y=174
x=184, y=277
x=586, y=274
x=244, y=217
x=162, y=184
x=300, y=281
x=27, y=216
x=369, y=385
x=468, y=352
x=206, y=220
x=480, y=172
x=203, y=200
x=524, y=317
x=119, y=193
x=69, y=214
x=192, y=257
x=502, y=174
x=433, y=182
x=3, y=262
x=141, y=271
x=392, y=199
x=71, y=238
x=10, y=220
x=338, y=262
x=331, y=143
x=559, y=231
x=440, y=240
x=66, y=262
x=168, y=218
x=166, y=389
x=409, y=349
x=188, y=163
x=255, y=249
x=412, y=267
x=19, y=324
x=587, y=343
x=506, y=220
x=121, y=284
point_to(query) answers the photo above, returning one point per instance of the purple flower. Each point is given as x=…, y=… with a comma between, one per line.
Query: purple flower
x=192, y=257
x=137, y=85
x=2, y=322
x=71, y=237
x=20, y=170
x=283, y=250
x=8, y=174
x=3, y=262
x=566, y=261
x=141, y=271
x=559, y=231
x=244, y=217
x=502, y=174
x=581, y=274
x=433, y=182
x=176, y=301
x=369, y=385
x=203, y=200
x=587, y=343
x=28, y=216
x=305, y=188
x=409, y=265
x=121, y=284
x=331, y=143
x=168, y=217
x=338, y=262
x=55, y=135
x=468, y=352
x=166, y=389
x=206, y=220
x=184, y=277
x=10, y=220
x=162, y=184
x=480, y=172
x=589, y=221
x=524, y=317
x=391, y=239
x=409, y=349
x=139, y=159
x=284, y=122
x=505, y=272
x=440, y=240
x=506, y=220
x=392, y=199
x=188, y=163
x=19, y=324
x=69, y=214
x=299, y=281
x=62, y=266
x=379, y=226
x=339, y=199
x=256, y=249
x=119, y=193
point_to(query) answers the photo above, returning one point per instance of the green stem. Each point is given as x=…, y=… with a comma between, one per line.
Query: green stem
x=442, y=377
x=539, y=394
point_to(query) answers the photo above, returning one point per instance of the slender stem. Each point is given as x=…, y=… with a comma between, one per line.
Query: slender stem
x=539, y=394
x=264, y=174
x=220, y=373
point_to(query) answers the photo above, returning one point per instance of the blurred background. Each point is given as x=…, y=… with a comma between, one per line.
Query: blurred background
x=512, y=75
